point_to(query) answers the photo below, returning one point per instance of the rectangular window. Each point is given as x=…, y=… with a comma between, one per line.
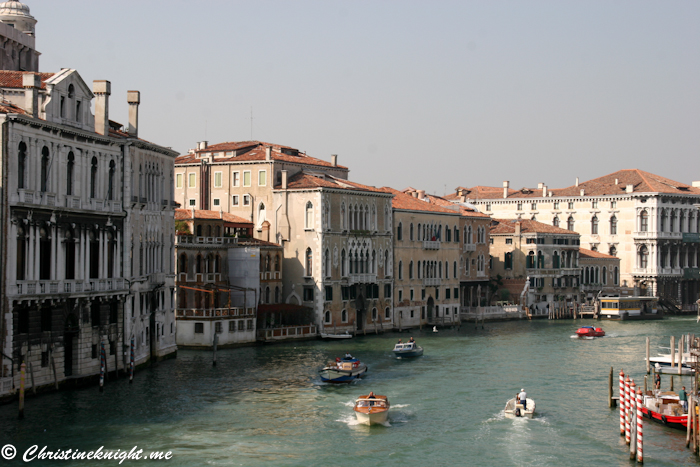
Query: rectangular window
x=344, y=293
x=509, y=241
x=422, y=294
x=329, y=293
x=235, y=179
x=217, y=179
x=520, y=206
x=178, y=181
x=199, y=328
x=387, y=290
x=217, y=202
x=456, y=292
x=556, y=205
x=234, y=200
x=262, y=178
x=246, y=178
x=193, y=202
x=246, y=200
x=231, y=326
x=192, y=180
x=218, y=328
x=400, y=296
x=533, y=207
x=571, y=205
x=447, y=293
x=594, y=204
x=250, y=324
x=437, y=293
x=308, y=294
x=488, y=207
x=613, y=204
x=411, y=294
x=241, y=325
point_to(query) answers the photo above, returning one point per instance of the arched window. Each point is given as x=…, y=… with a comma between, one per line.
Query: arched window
x=454, y=269
x=182, y=263
x=93, y=177
x=530, y=261
x=594, y=225
x=374, y=314
x=643, y=257
x=399, y=232
x=616, y=276
x=198, y=264
x=672, y=223
x=277, y=263
x=643, y=221
x=267, y=294
x=22, y=165
x=400, y=270
x=344, y=316
x=110, y=186
x=613, y=251
x=410, y=232
x=69, y=174
x=410, y=270
x=540, y=260
x=605, y=275
x=664, y=218
x=613, y=225
x=277, y=294
x=419, y=236
x=261, y=214
x=681, y=223
x=327, y=317
x=570, y=223
x=309, y=262
x=555, y=221
x=327, y=262
x=45, y=169
x=309, y=216
x=343, y=263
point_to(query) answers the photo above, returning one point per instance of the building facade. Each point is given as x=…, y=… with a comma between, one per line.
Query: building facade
x=600, y=274
x=650, y=222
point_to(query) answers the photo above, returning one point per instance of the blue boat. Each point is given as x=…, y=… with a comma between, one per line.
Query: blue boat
x=343, y=370
x=409, y=349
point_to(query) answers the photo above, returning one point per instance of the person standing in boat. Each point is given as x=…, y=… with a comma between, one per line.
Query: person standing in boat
x=683, y=397
x=657, y=381
x=411, y=340
x=522, y=397
x=348, y=356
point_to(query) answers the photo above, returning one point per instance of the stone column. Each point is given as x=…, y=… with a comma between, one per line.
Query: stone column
x=37, y=251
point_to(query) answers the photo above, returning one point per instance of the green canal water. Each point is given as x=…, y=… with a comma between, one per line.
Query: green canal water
x=266, y=405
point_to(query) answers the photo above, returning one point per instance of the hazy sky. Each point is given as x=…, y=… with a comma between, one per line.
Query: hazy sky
x=431, y=94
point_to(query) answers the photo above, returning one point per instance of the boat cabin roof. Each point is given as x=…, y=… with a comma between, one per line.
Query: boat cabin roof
x=406, y=346
x=376, y=397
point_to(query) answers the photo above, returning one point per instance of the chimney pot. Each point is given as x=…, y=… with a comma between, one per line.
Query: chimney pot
x=134, y=99
x=617, y=181
x=630, y=189
x=506, y=184
x=268, y=153
x=334, y=160
x=31, y=82
x=540, y=185
x=544, y=190
x=583, y=191
x=576, y=181
x=102, y=90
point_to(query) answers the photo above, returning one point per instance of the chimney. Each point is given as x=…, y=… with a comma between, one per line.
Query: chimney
x=517, y=229
x=544, y=190
x=583, y=191
x=421, y=194
x=696, y=184
x=102, y=89
x=334, y=160
x=576, y=181
x=630, y=189
x=460, y=192
x=463, y=198
x=540, y=185
x=31, y=82
x=202, y=145
x=284, y=179
x=617, y=181
x=134, y=99
x=506, y=184
x=268, y=153
x=414, y=194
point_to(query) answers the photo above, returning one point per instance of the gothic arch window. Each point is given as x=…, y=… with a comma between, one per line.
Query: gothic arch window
x=277, y=294
x=93, y=177
x=309, y=216
x=664, y=218
x=267, y=294
x=342, y=216
x=44, y=169
x=343, y=263
x=198, y=264
x=399, y=231
x=555, y=221
x=400, y=270
x=110, y=186
x=22, y=165
x=309, y=262
x=644, y=221
x=672, y=223
x=327, y=262
x=69, y=173
x=277, y=263
x=410, y=232
x=410, y=270
x=643, y=257
x=570, y=223
x=613, y=225
x=454, y=270
x=594, y=225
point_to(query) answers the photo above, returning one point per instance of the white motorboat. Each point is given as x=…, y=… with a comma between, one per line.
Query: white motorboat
x=408, y=349
x=514, y=410
x=345, y=335
x=343, y=370
x=372, y=409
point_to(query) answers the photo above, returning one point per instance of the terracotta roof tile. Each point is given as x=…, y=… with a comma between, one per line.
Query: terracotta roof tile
x=585, y=253
x=407, y=202
x=254, y=151
x=303, y=179
x=13, y=79
x=507, y=226
x=186, y=214
x=10, y=108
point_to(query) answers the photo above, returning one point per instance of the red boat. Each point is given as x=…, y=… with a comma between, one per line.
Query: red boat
x=589, y=331
x=665, y=409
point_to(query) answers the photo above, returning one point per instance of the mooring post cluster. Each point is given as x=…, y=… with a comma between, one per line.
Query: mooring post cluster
x=631, y=403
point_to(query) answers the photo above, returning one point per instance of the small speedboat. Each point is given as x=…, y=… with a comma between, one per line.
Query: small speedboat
x=514, y=410
x=343, y=370
x=372, y=409
x=409, y=349
x=345, y=335
x=589, y=331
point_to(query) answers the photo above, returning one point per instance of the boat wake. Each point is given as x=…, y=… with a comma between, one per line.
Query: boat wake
x=400, y=406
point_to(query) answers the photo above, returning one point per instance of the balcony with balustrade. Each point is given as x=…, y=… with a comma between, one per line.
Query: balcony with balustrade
x=431, y=244
x=67, y=286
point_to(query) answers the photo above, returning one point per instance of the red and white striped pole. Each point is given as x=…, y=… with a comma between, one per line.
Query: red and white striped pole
x=640, y=449
x=628, y=436
x=621, y=403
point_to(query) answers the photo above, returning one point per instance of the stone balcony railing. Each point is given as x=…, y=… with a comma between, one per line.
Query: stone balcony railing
x=193, y=240
x=287, y=332
x=72, y=202
x=215, y=313
x=362, y=278
x=70, y=286
x=431, y=244
x=469, y=247
x=658, y=235
x=431, y=281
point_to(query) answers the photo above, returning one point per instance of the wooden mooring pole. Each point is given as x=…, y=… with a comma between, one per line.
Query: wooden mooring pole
x=610, y=390
x=22, y=371
x=216, y=341
x=648, y=363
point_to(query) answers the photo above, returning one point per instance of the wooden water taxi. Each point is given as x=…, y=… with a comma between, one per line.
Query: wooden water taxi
x=514, y=410
x=343, y=370
x=372, y=409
